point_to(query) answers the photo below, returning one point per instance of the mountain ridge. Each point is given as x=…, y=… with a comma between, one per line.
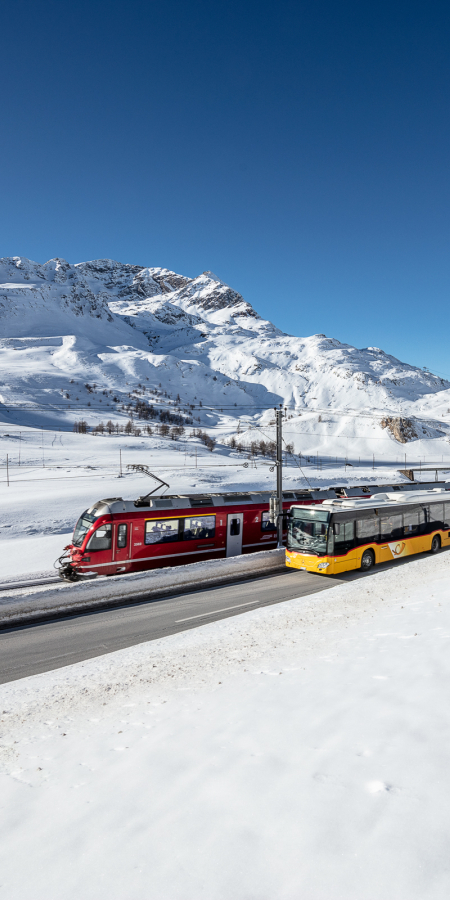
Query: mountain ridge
x=121, y=324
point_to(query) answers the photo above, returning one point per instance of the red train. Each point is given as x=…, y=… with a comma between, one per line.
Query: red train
x=116, y=536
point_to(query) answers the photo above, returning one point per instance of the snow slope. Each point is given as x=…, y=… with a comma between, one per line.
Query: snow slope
x=294, y=751
x=120, y=325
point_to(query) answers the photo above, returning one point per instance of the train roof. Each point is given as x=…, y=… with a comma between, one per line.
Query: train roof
x=337, y=495
x=197, y=501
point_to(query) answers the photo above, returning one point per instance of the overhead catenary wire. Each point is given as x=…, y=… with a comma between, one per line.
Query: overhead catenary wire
x=218, y=429
x=258, y=428
x=300, y=410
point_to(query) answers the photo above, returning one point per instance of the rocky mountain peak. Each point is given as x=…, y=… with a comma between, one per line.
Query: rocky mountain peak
x=127, y=324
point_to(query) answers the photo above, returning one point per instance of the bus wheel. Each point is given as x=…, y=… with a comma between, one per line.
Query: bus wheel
x=367, y=560
x=436, y=544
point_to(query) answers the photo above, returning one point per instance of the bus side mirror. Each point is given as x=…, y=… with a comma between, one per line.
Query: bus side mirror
x=337, y=527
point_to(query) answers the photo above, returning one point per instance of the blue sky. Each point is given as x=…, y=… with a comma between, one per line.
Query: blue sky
x=300, y=150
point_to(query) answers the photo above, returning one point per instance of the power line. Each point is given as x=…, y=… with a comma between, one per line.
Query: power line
x=300, y=411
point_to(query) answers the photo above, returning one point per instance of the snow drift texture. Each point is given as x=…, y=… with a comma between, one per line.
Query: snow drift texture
x=296, y=752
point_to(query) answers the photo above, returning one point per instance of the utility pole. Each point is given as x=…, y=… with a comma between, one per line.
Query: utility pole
x=276, y=503
x=279, y=419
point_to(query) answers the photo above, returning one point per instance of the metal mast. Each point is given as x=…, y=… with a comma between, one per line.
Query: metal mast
x=279, y=418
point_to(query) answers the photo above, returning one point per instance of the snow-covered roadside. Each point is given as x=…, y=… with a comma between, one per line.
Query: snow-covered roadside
x=31, y=557
x=25, y=604
x=294, y=751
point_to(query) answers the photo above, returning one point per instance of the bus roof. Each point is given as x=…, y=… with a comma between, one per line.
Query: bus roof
x=380, y=500
x=388, y=499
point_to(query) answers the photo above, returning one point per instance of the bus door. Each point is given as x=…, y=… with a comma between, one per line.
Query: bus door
x=122, y=539
x=235, y=525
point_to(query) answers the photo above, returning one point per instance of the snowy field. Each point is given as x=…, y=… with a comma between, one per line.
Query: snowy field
x=298, y=751
x=61, y=474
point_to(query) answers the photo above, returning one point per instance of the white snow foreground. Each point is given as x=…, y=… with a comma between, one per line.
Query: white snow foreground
x=299, y=751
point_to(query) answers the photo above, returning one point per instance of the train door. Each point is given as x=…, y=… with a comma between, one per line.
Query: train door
x=122, y=540
x=235, y=525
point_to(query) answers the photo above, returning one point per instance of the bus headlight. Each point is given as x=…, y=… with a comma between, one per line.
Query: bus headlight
x=323, y=565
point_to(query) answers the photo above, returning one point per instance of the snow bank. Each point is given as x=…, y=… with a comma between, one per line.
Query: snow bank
x=295, y=751
x=17, y=605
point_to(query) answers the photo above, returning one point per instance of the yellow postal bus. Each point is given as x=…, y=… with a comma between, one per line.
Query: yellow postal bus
x=340, y=535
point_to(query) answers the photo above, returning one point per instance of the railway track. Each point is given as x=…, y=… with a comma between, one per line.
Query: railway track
x=33, y=582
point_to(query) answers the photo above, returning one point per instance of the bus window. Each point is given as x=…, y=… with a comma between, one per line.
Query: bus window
x=307, y=530
x=446, y=515
x=391, y=527
x=436, y=517
x=161, y=531
x=344, y=537
x=413, y=522
x=367, y=530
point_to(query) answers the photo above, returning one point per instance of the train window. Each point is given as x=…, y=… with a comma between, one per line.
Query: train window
x=235, y=527
x=199, y=527
x=266, y=524
x=101, y=539
x=122, y=536
x=82, y=527
x=161, y=531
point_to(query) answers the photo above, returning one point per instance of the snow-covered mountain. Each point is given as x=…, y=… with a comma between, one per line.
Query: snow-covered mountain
x=121, y=327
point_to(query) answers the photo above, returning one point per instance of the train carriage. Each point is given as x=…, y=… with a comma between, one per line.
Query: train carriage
x=115, y=536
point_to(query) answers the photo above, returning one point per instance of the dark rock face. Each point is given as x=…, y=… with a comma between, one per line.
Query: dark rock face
x=209, y=294
x=402, y=429
x=169, y=281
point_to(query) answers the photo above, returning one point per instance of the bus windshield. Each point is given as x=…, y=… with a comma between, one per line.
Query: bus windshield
x=307, y=530
x=81, y=528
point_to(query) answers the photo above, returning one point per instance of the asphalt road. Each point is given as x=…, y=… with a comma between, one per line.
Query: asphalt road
x=51, y=644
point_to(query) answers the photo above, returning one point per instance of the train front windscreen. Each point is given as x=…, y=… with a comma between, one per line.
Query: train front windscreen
x=81, y=528
x=308, y=530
